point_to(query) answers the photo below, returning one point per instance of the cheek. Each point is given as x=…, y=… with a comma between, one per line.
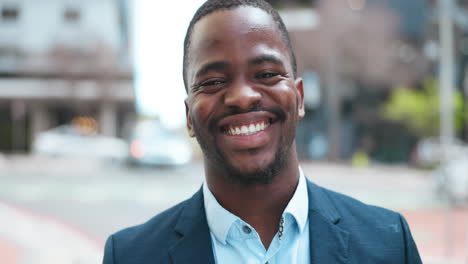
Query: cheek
x=200, y=111
x=285, y=96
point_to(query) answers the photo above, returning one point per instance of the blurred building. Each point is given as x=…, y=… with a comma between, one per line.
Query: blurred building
x=63, y=59
x=350, y=53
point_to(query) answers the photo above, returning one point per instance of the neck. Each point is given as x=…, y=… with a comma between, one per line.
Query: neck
x=260, y=205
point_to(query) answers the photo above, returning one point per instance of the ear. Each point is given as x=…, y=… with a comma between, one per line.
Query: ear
x=300, y=97
x=188, y=119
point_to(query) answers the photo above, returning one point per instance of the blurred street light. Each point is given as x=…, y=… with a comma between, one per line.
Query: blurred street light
x=447, y=82
x=446, y=74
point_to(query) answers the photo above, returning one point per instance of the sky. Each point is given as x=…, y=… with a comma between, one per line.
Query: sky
x=159, y=29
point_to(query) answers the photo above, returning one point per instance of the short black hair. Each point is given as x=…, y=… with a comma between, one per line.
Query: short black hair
x=212, y=6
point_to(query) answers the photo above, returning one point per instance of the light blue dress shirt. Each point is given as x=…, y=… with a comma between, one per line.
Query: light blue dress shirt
x=234, y=241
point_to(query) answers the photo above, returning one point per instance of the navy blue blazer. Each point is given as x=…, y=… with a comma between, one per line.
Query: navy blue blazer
x=342, y=230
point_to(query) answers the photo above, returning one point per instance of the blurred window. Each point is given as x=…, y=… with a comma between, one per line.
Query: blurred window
x=71, y=15
x=10, y=14
x=313, y=94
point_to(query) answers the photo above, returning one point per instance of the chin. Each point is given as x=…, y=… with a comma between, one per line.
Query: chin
x=249, y=175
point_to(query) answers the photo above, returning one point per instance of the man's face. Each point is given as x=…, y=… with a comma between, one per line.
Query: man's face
x=243, y=102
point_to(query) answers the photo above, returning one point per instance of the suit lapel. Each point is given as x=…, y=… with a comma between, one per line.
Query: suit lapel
x=328, y=242
x=194, y=245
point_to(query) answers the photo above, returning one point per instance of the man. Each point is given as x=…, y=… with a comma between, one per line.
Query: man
x=244, y=102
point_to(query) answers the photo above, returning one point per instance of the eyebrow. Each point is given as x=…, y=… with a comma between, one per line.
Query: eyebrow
x=266, y=59
x=214, y=66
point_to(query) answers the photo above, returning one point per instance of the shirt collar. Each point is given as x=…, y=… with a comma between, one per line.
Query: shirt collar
x=220, y=220
x=298, y=206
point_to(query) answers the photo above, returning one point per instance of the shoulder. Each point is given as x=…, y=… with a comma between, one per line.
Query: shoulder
x=364, y=223
x=150, y=240
x=353, y=210
x=374, y=232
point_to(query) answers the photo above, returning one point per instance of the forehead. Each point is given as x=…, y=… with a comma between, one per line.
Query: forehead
x=239, y=20
x=240, y=30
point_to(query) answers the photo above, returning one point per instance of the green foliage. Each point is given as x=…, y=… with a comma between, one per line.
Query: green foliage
x=418, y=109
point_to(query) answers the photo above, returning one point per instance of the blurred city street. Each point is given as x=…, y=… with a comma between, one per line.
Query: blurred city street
x=62, y=210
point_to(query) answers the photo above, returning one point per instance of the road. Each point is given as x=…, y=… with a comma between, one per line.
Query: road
x=61, y=210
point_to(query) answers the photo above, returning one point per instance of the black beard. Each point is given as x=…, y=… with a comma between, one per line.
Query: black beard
x=264, y=176
x=235, y=176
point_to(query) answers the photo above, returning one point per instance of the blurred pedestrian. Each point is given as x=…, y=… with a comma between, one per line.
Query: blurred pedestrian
x=256, y=206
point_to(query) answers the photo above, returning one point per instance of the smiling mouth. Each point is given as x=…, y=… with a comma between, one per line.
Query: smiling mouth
x=246, y=129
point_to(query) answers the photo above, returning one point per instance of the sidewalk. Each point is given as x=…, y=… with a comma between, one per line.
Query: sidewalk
x=9, y=254
x=28, y=238
x=431, y=231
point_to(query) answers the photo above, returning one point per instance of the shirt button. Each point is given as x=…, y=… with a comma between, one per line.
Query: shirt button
x=246, y=229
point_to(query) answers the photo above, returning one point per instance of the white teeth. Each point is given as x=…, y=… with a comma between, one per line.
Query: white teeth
x=247, y=129
x=244, y=130
x=252, y=129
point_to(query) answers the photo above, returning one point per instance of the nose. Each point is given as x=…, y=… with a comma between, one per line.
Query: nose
x=242, y=95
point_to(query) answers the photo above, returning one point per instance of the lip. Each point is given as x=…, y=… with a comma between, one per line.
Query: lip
x=246, y=119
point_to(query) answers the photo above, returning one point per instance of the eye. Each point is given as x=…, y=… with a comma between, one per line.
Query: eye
x=209, y=86
x=269, y=77
x=266, y=75
x=212, y=83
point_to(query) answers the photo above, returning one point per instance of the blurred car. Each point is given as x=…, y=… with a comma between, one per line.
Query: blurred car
x=153, y=145
x=451, y=177
x=69, y=141
x=429, y=151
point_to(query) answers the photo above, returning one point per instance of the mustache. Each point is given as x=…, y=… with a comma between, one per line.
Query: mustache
x=279, y=113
